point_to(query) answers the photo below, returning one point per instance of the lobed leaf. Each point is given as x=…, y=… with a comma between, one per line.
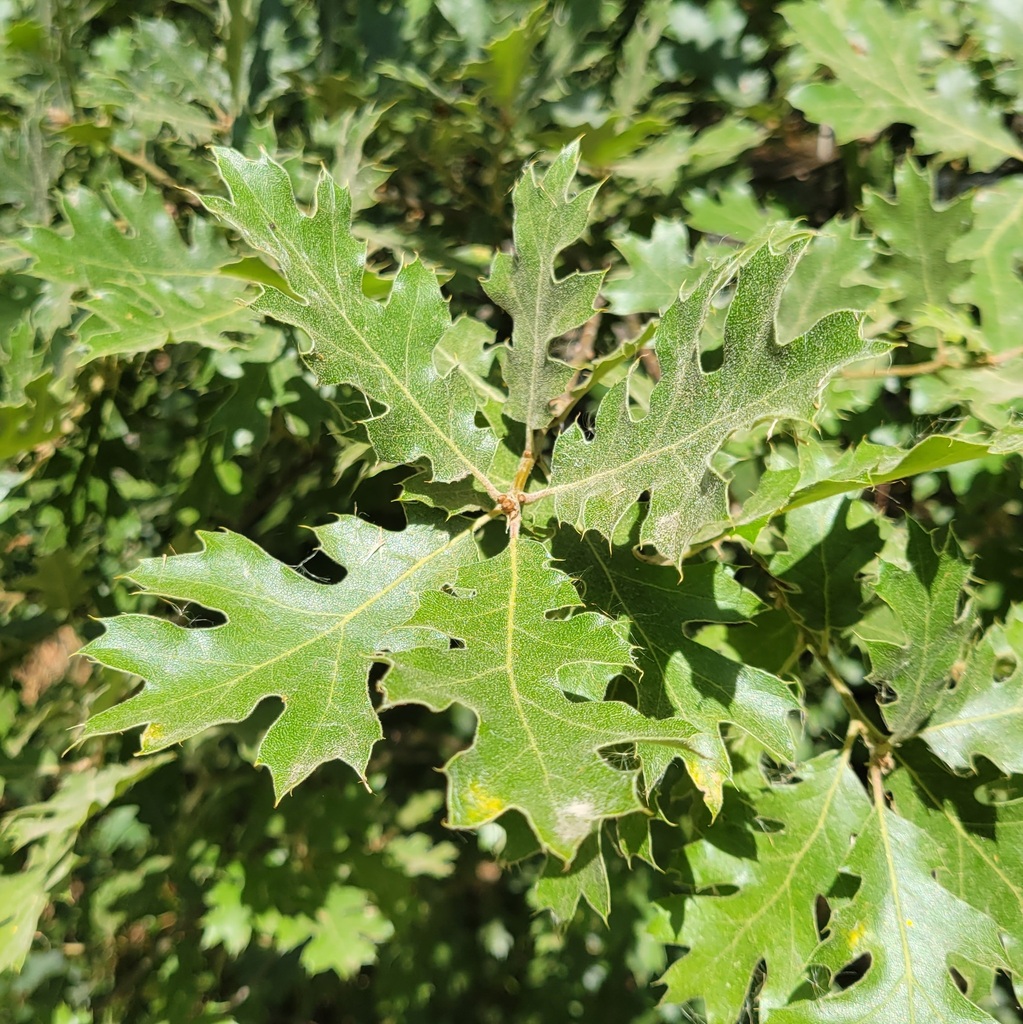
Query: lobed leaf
x=981, y=716
x=693, y=412
x=881, y=77
x=512, y=663
x=914, y=930
x=925, y=599
x=993, y=247
x=975, y=826
x=542, y=305
x=679, y=677
x=777, y=875
x=286, y=636
x=384, y=349
x=142, y=283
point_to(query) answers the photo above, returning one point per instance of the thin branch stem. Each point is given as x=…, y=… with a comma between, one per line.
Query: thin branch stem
x=157, y=174
x=875, y=738
x=939, y=362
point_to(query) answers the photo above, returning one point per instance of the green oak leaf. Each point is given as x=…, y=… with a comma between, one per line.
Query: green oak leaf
x=978, y=842
x=832, y=275
x=383, y=348
x=559, y=890
x=827, y=544
x=287, y=636
x=150, y=73
x=656, y=269
x=693, y=412
x=914, y=929
x=777, y=874
x=679, y=677
x=823, y=470
x=345, y=934
x=925, y=600
x=918, y=236
x=1000, y=31
x=993, y=247
x=731, y=211
x=535, y=750
x=543, y=306
x=982, y=716
x=881, y=77
x=141, y=283
x=49, y=830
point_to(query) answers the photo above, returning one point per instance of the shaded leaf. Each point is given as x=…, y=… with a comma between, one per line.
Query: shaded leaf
x=925, y=599
x=678, y=676
x=982, y=716
x=977, y=837
x=777, y=874
x=918, y=235
x=827, y=544
x=914, y=929
x=535, y=750
x=994, y=249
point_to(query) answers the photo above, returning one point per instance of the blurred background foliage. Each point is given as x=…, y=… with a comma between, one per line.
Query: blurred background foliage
x=139, y=399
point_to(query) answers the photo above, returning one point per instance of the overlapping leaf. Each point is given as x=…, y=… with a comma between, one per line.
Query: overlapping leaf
x=914, y=929
x=824, y=553
x=543, y=306
x=778, y=873
x=994, y=249
x=143, y=285
x=975, y=825
x=824, y=471
x=876, y=53
x=919, y=236
x=535, y=750
x=983, y=715
x=680, y=677
x=286, y=636
x=693, y=412
x=925, y=598
x=657, y=268
x=832, y=275
x=384, y=349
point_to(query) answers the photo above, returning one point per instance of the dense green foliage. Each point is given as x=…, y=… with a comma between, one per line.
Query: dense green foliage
x=649, y=375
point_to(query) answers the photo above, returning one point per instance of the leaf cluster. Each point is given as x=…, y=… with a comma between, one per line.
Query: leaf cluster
x=661, y=491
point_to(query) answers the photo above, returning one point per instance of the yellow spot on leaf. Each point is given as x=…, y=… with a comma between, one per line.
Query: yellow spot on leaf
x=484, y=805
x=856, y=933
x=152, y=735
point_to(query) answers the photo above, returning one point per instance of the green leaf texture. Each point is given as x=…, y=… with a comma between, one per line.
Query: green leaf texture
x=914, y=930
x=142, y=283
x=286, y=636
x=994, y=249
x=679, y=677
x=925, y=599
x=693, y=412
x=982, y=716
x=542, y=305
x=777, y=874
x=511, y=663
x=975, y=823
x=876, y=53
x=384, y=349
